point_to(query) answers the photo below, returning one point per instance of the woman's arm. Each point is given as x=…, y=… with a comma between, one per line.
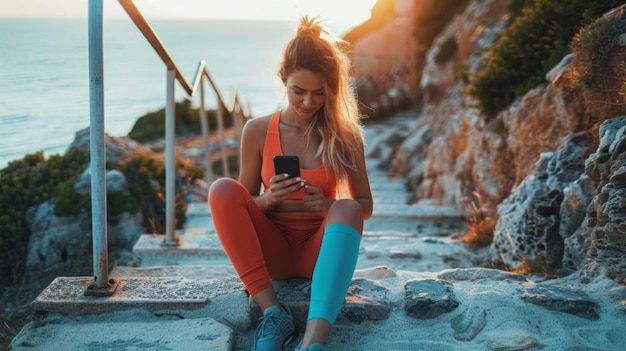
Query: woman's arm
x=251, y=160
x=251, y=156
x=360, y=186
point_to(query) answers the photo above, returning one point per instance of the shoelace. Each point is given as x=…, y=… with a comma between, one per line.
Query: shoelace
x=268, y=324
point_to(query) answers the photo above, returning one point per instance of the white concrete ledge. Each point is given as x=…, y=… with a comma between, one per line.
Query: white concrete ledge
x=66, y=295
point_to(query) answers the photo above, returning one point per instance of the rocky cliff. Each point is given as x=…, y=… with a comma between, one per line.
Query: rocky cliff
x=383, y=54
x=547, y=166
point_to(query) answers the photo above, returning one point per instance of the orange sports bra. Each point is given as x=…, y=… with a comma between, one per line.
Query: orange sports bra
x=319, y=177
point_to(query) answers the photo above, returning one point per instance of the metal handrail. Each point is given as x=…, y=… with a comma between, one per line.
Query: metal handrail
x=202, y=72
x=146, y=29
x=102, y=284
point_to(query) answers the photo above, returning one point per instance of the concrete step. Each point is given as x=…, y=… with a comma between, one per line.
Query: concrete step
x=144, y=313
x=411, y=226
x=66, y=295
x=418, y=212
x=200, y=252
x=174, y=335
x=198, y=215
x=197, y=272
x=196, y=246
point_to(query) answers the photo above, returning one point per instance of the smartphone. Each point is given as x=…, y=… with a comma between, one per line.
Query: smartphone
x=287, y=164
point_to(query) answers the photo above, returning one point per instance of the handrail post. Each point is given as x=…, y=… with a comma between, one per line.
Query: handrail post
x=204, y=124
x=97, y=153
x=220, y=130
x=170, y=161
x=237, y=119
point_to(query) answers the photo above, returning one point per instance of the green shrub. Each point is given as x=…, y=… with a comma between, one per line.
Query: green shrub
x=501, y=128
x=145, y=176
x=516, y=8
x=535, y=41
x=152, y=125
x=25, y=183
x=599, y=37
x=33, y=180
x=70, y=203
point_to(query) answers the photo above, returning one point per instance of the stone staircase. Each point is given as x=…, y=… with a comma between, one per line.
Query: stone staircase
x=398, y=223
x=183, y=288
x=392, y=220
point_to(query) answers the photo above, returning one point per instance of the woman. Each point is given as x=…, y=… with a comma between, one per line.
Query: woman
x=308, y=226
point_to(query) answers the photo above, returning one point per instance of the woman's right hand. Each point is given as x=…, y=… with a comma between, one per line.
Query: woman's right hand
x=282, y=187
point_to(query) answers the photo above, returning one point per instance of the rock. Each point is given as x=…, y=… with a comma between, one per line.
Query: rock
x=116, y=181
x=404, y=252
x=366, y=300
x=118, y=149
x=469, y=323
x=428, y=298
x=518, y=343
x=383, y=71
x=576, y=198
x=528, y=232
x=605, y=220
x=376, y=273
x=56, y=239
x=53, y=239
x=562, y=299
x=475, y=274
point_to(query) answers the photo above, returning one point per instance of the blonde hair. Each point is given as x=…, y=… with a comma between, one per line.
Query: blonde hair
x=338, y=123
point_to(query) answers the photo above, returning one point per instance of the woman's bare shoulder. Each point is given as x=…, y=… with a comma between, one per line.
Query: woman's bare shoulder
x=254, y=132
x=258, y=125
x=259, y=121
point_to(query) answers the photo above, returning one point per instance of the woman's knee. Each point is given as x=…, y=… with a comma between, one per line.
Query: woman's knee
x=347, y=207
x=223, y=189
x=346, y=211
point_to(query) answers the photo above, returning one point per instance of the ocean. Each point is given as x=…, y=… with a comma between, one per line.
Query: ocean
x=44, y=81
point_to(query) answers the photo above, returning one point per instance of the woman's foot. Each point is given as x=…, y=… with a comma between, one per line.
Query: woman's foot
x=313, y=347
x=275, y=331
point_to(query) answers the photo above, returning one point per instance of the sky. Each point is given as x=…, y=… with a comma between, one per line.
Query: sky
x=339, y=15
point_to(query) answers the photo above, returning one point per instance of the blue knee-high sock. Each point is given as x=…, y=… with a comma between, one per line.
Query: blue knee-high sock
x=333, y=271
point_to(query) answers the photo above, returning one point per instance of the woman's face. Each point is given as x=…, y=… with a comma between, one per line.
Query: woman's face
x=305, y=92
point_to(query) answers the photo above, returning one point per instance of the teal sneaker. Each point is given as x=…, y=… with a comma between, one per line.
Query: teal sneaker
x=275, y=331
x=313, y=347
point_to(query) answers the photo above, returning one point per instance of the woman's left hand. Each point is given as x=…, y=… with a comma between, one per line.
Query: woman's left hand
x=314, y=200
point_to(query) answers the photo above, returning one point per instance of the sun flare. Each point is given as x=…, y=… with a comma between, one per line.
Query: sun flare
x=340, y=15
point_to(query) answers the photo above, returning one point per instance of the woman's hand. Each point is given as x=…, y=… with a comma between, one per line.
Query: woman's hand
x=282, y=187
x=314, y=200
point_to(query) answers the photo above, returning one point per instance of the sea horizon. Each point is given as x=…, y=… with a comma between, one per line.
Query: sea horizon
x=44, y=100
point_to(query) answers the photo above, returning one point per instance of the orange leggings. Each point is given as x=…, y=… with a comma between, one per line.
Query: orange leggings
x=259, y=248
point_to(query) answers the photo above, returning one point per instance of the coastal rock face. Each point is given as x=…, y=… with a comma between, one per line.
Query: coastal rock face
x=529, y=229
x=605, y=224
x=524, y=165
x=447, y=166
x=384, y=70
x=55, y=240
x=469, y=159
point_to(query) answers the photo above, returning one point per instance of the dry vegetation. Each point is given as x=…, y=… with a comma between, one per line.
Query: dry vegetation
x=480, y=228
